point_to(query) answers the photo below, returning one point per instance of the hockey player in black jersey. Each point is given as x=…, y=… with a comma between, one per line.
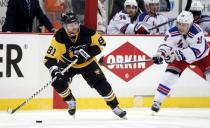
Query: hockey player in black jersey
x=75, y=41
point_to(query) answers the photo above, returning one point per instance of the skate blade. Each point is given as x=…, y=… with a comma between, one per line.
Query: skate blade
x=73, y=116
x=9, y=110
x=124, y=118
x=153, y=113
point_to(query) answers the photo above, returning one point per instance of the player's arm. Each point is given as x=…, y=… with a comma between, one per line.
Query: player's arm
x=54, y=53
x=97, y=44
x=196, y=48
x=95, y=48
x=167, y=45
x=164, y=50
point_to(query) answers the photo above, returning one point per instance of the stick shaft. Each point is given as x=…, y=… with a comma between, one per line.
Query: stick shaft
x=41, y=89
x=162, y=24
x=130, y=62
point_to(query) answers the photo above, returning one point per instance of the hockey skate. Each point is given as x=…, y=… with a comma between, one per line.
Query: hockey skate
x=72, y=107
x=119, y=112
x=155, y=107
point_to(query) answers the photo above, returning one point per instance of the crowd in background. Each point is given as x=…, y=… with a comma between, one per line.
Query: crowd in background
x=106, y=13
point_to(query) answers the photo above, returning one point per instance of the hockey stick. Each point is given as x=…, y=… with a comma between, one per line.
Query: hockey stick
x=162, y=24
x=11, y=111
x=130, y=62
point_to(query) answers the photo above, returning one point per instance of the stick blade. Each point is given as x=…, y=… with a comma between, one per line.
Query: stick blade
x=9, y=110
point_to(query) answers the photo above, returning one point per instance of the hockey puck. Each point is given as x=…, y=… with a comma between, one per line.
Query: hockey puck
x=38, y=121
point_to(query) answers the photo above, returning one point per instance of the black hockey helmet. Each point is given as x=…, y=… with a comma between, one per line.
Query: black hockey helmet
x=69, y=17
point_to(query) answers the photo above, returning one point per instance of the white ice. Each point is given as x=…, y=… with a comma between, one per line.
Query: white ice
x=137, y=118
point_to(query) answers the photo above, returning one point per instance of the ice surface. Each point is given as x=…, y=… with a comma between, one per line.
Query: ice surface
x=137, y=118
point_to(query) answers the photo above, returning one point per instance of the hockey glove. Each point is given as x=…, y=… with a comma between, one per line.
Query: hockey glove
x=178, y=55
x=158, y=58
x=101, y=61
x=169, y=58
x=55, y=72
x=83, y=56
x=141, y=29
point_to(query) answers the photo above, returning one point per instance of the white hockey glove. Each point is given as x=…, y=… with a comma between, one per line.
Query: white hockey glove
x=169, y=58
x=178, y=55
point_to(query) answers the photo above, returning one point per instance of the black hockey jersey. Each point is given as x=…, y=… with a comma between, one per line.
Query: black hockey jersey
x=62, y=45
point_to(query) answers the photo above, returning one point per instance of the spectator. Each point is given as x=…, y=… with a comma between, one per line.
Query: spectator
x=101, y=17
x=124, y=22
x=20, y=15
x=165, y=5
x=152, y=18
x=202, y=20
x=118, y=5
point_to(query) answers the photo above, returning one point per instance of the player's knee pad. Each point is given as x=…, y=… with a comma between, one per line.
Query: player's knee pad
x=173, y=71
x=103, y=87
x=105, y=90
x=60, y=85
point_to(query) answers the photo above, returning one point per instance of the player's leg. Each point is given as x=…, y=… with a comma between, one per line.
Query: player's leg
x=61, y=86
x=204, y=65
x=96, y=79
x=171, y=75
x=208, y=76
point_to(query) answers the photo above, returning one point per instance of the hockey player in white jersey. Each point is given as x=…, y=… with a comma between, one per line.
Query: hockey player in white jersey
x=152, y=18
x=184, y=45
x=124, y=22
x=203, y=20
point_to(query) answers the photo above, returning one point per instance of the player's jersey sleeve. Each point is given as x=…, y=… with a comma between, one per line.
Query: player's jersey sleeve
x=54, y=52
x=168, y=43
x=97, y=43
x=197, y=48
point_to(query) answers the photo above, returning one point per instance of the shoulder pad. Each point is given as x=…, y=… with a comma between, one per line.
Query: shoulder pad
x=86, y=31
x=194, y=29
x=174, y=31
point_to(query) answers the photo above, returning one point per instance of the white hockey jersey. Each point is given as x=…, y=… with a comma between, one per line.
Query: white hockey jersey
x=152, y=21
x=193, y=46
x=204, y=23
x=121, y=24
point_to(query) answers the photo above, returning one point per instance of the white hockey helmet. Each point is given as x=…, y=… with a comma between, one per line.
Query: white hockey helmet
x=196, y=6
x=185, y=17
x=151, y=1
x=130, y=2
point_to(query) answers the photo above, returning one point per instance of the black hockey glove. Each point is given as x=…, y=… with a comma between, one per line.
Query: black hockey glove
x=101, y=61
x=55, y=72
x=158, y=58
